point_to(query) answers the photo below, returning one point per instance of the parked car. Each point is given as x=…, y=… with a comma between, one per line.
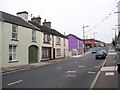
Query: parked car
x=100, y=55
x=104, y=52
x=93, y=50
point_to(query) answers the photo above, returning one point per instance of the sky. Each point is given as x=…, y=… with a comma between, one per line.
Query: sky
x=69, y=16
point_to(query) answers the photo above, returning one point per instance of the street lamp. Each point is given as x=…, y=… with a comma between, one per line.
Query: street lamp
x=84, y=36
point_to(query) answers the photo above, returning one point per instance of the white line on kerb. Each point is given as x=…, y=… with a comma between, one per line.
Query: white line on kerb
x=15, y=82
x=59, y=67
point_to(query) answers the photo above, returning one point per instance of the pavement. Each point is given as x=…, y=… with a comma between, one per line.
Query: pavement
x=108, y=76
x=6, y=70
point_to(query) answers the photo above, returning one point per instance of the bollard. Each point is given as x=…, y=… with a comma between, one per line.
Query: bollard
x=118, y=62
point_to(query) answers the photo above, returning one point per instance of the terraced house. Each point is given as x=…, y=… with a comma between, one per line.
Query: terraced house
x=24, y=42
x=54, y=44
x=20, y=40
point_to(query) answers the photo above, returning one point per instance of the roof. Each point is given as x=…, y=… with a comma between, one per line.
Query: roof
x=17, y=20
x=47, y=30
x=74, y=36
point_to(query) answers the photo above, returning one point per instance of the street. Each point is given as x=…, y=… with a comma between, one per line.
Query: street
x=79, y=72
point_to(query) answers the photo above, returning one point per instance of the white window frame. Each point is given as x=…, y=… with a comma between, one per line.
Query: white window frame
x=14, y=31
x=58, y=52
x=46, y=38
x=34, y=35
x=58, y=40
x=12, y=52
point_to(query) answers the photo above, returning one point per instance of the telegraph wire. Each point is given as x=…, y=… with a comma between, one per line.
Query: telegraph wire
x=111, y=13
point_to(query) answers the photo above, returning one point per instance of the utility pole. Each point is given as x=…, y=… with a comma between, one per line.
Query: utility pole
x=84, y=36
x=94, y=34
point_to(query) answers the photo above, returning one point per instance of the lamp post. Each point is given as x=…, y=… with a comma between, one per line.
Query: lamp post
x=84, y=36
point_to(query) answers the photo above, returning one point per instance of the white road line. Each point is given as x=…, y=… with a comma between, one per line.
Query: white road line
x=109, y=68
x=59, y=68
x=109, y=73
x=97, y=66
x=15, y=82
x=91, y=72
x=76, y=62
x=96, y=78
x=71, y=71
x=81, y=66
x=112, y=53
x=71, y=75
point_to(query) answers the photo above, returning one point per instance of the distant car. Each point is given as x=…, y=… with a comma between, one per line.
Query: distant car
x=93, y=50
x=100, y=55
x=104, y=52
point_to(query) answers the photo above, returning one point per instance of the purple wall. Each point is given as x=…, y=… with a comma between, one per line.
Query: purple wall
x=74, y=43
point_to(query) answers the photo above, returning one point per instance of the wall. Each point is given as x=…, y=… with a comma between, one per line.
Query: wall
x=24, y=41
x=72, y=45
x=62, y=47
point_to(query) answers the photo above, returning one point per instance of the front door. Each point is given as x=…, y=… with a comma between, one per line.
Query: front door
x=53, y=53
x=33, y=54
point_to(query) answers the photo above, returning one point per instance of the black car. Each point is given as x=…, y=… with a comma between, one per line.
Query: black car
x=100, y=55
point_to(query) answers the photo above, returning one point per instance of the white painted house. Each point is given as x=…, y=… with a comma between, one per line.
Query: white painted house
x=54, y=44
x=19, y=40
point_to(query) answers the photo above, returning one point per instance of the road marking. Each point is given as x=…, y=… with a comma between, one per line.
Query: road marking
x=91, y=72
x=69, y=75
x=96, y=78
x=111, y=50
x=59, y=68
x=81, y=66
x=15, y=82
x=109, y=73
x=76, y=62
x=109, y=68
x=97, y=66
x=71, y=71
x=112, y=53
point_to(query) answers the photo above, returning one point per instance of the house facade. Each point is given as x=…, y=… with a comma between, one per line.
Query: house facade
x=53, y=43
x=75, y=45
x=19, y=40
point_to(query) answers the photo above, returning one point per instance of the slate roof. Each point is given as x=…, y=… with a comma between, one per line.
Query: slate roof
x=47, y=30
x=17, y=20
x=75, y=36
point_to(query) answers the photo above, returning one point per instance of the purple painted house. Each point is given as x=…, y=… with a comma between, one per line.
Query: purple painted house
x=75, y=45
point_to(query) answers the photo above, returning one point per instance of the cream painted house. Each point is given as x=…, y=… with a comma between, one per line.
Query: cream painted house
x=54, y=44
x=19, y=40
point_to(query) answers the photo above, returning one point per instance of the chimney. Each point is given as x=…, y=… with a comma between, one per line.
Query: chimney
x=23, y=15
x=36, y=20
x=47, y=24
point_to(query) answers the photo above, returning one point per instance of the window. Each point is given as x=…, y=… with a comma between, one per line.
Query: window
x=58, y=41
x=45, y=53
x=46, y=38
x=12, y=53
x=33, y=35
x=14, y=32
x=58, y=52
x=64, y=41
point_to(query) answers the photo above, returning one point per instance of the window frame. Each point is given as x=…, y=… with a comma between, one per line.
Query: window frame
x=33, y=35
x=58, y=52
x=12, y=52
x=58, y=40
x=14, y=33
x=46, y=38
